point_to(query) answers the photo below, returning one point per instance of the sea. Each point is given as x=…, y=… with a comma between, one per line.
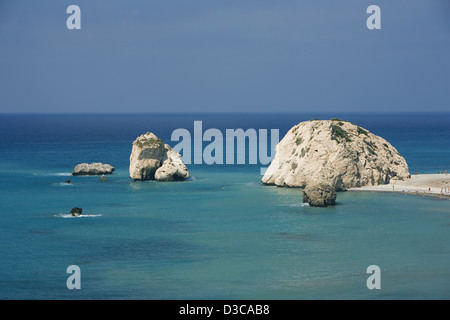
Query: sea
x=221, y=235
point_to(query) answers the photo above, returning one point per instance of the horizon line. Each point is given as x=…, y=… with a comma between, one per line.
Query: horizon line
x=215, y=113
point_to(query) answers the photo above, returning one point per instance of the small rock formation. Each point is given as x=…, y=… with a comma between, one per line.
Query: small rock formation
x=334, y=152
x=172, y=168
x=75, y=212
x=151, y=159
x=103, y=178
x=319, y=195
x=92, y=169
x=67, y=182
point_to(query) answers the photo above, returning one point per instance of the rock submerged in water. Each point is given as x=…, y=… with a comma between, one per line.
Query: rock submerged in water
x=336, y=153
x=75, y=212
x=319, y=195
x=92, y=169
x=151, y=159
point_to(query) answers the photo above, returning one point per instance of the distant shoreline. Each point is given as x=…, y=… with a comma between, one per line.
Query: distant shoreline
x=420, y=184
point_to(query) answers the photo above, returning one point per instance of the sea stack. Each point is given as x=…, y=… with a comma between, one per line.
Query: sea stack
x=319, y=195
x=336, y=153
x=151, y=159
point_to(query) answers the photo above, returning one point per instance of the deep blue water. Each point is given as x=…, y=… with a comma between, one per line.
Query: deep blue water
x=221, y=235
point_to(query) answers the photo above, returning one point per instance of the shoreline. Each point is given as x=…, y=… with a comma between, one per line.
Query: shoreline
x=437, y=185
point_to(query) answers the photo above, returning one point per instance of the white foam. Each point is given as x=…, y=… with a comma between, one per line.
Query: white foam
x=62, y=184
x=296, y=205
x=56, y=174
x=62, y=174
x=68, y=215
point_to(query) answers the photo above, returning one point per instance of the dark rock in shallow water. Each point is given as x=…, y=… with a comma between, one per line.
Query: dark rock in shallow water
x=75, y=212
x=92, y=169
x=68, y=181
x=319, y=195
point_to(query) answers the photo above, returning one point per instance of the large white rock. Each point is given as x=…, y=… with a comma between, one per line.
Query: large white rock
x=172, y=168
x=151, y=159
x=146, y=156
x=95, y=168
x=334, y=152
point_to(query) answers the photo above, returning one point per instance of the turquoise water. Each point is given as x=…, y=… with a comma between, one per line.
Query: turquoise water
x=221, y=235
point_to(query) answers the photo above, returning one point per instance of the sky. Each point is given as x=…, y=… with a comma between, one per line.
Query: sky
x=152, y=56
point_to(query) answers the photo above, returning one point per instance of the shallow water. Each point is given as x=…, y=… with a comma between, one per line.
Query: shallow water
x=221, y=235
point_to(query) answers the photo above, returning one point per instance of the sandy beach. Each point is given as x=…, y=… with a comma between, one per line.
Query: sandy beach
x=422, y=184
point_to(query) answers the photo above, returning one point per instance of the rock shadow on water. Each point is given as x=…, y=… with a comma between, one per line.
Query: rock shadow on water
x=144, y=185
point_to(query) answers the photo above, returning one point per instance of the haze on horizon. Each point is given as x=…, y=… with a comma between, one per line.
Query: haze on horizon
x=224, y=56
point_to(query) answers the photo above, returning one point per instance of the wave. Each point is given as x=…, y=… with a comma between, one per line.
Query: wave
x=62, y=184
x=62, y=174
x=296, y=205
x=305, y=204
x=68, y=215
x=57, y=174
x=198, y=180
